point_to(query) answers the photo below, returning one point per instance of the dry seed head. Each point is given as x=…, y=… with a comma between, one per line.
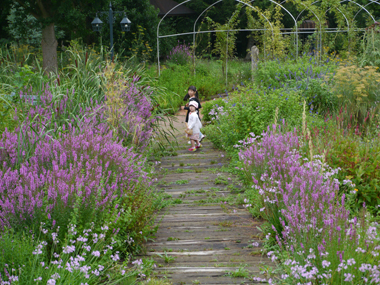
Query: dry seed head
x=323, y=161
x=304, y=118
x=310, y=144
x=276, y=116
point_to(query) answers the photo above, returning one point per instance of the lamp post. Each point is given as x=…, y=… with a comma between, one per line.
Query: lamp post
x=125, y=24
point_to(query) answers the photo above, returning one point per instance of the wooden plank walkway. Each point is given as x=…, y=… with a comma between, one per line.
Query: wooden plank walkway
x=203, y=240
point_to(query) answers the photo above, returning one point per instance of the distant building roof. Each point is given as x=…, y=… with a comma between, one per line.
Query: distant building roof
x=166, y=5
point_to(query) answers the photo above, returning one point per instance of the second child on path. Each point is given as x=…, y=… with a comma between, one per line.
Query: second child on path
x=195, y=125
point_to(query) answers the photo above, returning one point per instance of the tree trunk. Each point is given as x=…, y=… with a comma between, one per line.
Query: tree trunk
x=49, y=49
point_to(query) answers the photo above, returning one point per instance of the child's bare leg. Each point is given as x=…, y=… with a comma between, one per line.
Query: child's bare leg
x=192, y=143
x=196, y=142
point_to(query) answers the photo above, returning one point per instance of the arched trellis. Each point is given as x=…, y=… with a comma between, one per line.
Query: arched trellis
x=212, y=5
x=371, y=2
x=295, y=31
x=315, y=2
x=212, y=31
x=362, y=8
x=320, y=29
x=253, y=8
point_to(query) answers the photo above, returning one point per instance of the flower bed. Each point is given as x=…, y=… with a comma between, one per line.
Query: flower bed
x=76, y=180
x=318, y=239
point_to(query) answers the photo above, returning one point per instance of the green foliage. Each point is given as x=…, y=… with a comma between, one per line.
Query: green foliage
x=72, y=22
x=144, y=18
x=31, y=259
x=17, y=250
x=221, y=179
x=275, y=73
x=272, y=39
x=25, y=28
x=181, y=182
x=167, y=258
x=360, y=163
x=140, y=46
x=24, y=77
x=249, y=111
x=7, y=119
x=241, y=272
x=209, y=105
x=319, y=97
x=133, y=219
x=225, y=43
x=358, y=91
x=307, y=76
x=357, y=155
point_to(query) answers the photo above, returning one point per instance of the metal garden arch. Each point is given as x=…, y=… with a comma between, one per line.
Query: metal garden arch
x=248, y=4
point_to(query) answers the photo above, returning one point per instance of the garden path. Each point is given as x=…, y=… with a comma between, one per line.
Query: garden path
x=201, y=240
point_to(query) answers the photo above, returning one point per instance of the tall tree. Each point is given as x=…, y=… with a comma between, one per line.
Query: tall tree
x=4, y=11
x=75, y=16
x=54, y=12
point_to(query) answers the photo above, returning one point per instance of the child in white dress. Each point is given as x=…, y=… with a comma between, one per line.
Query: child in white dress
x=195, y=125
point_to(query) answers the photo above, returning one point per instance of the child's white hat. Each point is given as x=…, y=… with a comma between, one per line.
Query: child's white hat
x=193, y=103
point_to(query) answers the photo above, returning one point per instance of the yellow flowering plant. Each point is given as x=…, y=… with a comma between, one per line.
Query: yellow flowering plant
x=357, y=90
x=140, y=46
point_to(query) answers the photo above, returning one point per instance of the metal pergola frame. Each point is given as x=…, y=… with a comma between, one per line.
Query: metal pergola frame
x=295, y=30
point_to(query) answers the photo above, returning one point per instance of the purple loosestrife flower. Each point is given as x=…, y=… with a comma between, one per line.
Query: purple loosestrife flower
x=136, y=125
x=67, y=161
x=313, y=217
x=106, y=170
x=180, y=54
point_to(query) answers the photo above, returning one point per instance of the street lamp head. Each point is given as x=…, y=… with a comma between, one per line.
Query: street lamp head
x=96, y=24
x=125, y=24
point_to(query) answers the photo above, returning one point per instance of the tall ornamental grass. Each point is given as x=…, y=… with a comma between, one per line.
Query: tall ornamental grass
x=319, y=242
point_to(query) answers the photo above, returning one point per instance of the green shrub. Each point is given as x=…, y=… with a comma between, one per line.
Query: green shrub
x=248, y=111
x=278, y=73
x=360, y=163
x=307, y=76
x=319, y=96
x=208, y=106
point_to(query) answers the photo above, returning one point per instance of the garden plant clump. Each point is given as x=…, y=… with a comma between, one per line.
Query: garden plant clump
x=180, y=54
x=279, y=88
x=304, y=136
x=316, y=236
x=76, y=199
